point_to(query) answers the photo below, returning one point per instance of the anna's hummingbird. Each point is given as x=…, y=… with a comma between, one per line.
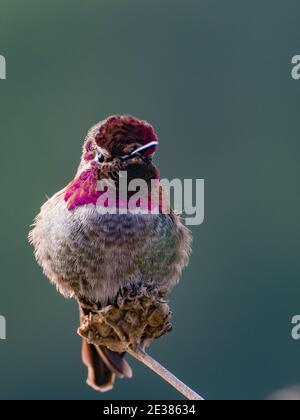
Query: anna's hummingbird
x=91, y=255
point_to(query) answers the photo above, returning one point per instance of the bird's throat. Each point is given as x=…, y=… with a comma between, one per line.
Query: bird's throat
x=85, y=190
x=82, y=190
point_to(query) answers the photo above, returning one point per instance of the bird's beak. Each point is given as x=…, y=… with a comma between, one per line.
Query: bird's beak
x=140, y=150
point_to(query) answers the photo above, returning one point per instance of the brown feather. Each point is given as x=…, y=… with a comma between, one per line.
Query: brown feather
x=100, y=377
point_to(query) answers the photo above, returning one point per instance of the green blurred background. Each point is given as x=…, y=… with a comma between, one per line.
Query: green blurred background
x=214, y=78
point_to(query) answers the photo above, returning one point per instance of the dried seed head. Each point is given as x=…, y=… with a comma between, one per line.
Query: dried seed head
x=138, y=316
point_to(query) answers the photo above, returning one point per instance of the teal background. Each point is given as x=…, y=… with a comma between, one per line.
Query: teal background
x=214, y=78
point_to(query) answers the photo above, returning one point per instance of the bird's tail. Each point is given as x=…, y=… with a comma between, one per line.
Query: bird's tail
x=104, y=366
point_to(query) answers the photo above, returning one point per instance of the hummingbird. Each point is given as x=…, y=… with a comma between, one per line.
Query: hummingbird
x=90, y=255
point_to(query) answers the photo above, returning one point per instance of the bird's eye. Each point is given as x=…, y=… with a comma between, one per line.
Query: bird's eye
x=101, y=157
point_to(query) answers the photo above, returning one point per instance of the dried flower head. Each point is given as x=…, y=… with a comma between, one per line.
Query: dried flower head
x=140, y=314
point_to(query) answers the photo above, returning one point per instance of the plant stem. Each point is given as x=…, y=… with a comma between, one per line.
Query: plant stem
x=147, y=360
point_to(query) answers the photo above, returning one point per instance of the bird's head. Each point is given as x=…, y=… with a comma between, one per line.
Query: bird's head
x=118, y=144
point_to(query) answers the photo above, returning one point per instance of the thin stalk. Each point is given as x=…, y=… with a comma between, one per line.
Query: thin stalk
x=147, y=360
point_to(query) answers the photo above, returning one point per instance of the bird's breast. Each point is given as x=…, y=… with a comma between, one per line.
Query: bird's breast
x=93, y=255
